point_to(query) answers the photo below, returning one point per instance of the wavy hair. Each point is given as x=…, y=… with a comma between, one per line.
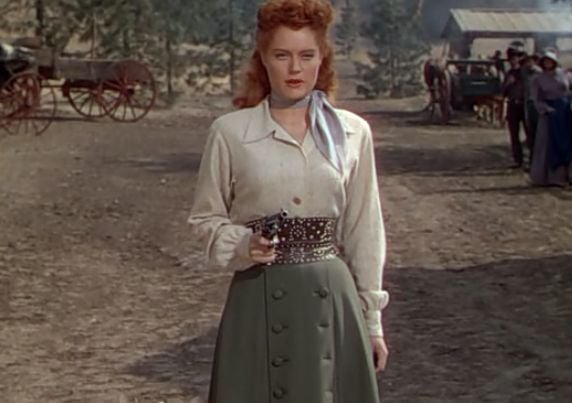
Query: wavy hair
x=294, y=14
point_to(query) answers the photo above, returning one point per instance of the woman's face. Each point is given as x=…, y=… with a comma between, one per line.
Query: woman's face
x=292, y=61
x=548, y=64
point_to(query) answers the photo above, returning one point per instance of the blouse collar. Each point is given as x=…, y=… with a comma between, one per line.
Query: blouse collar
x=261, y=125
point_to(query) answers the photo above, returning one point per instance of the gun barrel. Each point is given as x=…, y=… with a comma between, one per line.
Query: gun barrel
x=272, y=223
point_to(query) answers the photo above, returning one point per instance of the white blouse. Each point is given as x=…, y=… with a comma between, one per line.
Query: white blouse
x=252, y=167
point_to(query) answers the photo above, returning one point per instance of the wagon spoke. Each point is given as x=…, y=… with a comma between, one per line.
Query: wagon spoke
x=134, y=100
x=107, y=100
x=83, y=97
x=18, y=125
x=133, y=88
x=124, y=110
x=90, y=110
x=85, y=101
x=36, y=125
x=79, y=96
x=27, y=123
x=133, y=114
x=21, y=101
x=45, y=116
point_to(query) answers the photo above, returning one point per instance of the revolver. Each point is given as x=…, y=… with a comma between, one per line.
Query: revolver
x=271, y=224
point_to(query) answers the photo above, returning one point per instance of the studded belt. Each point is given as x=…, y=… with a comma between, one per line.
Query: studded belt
x=303, y=240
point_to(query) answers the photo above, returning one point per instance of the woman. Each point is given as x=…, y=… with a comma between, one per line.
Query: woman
x=551, y=92
x=302, y=320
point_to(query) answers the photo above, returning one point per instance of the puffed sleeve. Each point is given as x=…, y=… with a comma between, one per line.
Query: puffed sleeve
x=363, y=234
x=539, y=97
x=226, y=244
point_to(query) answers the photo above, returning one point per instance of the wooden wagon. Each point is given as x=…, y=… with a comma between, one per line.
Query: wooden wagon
x=124, y=90
x=471, y=85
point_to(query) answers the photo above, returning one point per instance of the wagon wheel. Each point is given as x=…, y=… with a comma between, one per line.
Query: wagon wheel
x=12, y=99
x=88, y=101
x=26, y=105
x=130, y=92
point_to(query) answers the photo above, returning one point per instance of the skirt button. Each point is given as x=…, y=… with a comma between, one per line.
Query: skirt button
x=323, y=292
x=277, y=328
x=278, y=294
x=278, y=361
x=279, y=393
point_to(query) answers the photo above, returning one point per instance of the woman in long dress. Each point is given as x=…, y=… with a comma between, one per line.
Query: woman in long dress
x=302, y=320
x=553, y=149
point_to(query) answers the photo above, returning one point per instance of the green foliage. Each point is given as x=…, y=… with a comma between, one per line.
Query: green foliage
x=394, y=65
x=227, y=44
x=347, y=30
x=204, y=40
x=54, y=22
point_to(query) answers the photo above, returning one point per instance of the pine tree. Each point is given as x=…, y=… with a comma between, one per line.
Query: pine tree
x=226, y=45
x=207, y=40
x=394, y=65
x=40, y=18
x=347, y=30
x=176, y=22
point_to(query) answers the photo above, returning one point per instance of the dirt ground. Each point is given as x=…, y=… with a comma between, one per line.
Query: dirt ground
x=104, y=297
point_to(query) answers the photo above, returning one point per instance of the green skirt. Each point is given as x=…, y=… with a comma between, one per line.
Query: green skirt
x=295, y=334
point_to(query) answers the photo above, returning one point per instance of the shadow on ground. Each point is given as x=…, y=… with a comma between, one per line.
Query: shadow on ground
x=423, y=117
x=165, y=163
x=186, y=366
x=482, y=160
x=489, y=333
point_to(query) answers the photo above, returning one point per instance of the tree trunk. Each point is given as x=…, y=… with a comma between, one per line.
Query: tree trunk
x=348, y=50
x=40, y=19
x=232, y=50
x=418, y=9
x=126, y=47
x=93, y=35
x=169, y=67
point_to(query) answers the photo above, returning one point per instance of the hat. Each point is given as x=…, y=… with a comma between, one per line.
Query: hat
x=549, y=54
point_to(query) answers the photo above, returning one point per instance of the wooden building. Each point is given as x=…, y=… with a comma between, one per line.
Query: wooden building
x=466, y=25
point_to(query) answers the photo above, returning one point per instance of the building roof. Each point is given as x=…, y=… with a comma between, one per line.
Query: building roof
x=504, y=23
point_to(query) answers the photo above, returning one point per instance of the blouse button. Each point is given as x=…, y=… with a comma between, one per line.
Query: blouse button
x=296, y=200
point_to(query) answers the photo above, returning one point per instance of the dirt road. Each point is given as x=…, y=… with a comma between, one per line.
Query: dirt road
x=104, y=297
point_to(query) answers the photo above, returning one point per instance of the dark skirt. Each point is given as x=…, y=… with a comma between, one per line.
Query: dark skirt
x=541, y=173
x=560, y=128
x=295, y=334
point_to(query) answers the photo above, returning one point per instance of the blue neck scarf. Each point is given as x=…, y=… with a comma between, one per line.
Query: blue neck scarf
x=325, y=125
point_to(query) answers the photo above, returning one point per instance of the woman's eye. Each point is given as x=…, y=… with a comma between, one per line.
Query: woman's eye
x=281, y=56
x=309, y=56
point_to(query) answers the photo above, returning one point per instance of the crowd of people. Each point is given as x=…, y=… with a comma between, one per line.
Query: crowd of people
x=539, y=94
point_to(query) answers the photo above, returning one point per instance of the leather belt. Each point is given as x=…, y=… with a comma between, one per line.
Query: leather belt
x=303, y=239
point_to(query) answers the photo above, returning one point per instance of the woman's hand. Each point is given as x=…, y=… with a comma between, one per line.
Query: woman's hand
x=261, y=250
x=380, y=352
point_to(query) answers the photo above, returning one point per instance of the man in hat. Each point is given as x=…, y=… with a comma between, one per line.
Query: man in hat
x=529, y=71
x=514, y=91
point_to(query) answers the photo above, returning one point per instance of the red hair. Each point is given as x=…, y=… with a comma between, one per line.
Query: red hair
x=294, y=14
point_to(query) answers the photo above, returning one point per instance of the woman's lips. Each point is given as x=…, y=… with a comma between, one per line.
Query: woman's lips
x=294, y=83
